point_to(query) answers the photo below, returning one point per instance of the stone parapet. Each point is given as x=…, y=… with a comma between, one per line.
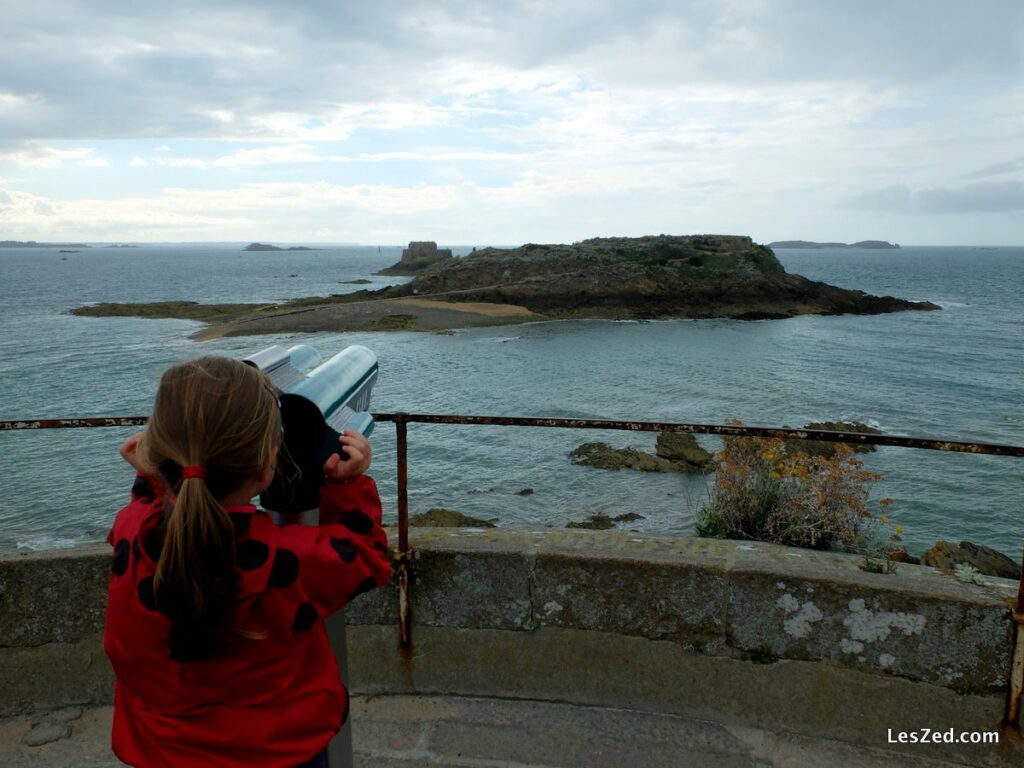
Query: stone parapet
x=741, y=632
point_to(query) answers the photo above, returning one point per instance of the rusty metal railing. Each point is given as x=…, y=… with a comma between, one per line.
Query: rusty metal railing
x=403, y=558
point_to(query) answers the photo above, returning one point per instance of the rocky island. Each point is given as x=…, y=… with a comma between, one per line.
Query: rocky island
x=875, y=245
x=34, y=244
x=268, y=247
x=654, y=277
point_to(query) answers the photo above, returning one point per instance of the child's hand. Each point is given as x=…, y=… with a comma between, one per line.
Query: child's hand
x=357, y=448
x=130, y=453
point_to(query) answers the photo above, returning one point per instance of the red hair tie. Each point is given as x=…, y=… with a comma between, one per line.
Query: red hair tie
x=193, y=471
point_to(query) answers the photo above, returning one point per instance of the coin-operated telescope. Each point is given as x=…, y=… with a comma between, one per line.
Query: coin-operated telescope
x=319, y=400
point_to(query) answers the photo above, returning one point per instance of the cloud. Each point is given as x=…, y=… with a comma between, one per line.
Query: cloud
x=294, y=153
x=702, y=112
x=997, y=169
x=179, y=162
x=322, y=70
x=35, y=155
x=985, y=197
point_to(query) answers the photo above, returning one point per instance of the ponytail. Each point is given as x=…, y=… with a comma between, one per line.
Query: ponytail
x=215, y=425
x=194, y=584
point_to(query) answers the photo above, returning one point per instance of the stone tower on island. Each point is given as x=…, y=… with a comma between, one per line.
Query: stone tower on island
x=417, y=257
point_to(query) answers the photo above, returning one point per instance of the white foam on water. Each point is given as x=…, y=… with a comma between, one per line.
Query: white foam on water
x=44, y=543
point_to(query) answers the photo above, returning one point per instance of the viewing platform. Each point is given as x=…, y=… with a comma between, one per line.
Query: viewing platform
x=588, y=648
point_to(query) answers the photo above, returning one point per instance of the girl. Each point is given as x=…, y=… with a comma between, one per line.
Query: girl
x=215, y=615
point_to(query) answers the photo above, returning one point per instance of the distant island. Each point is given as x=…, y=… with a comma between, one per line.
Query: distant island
x=34, y=244
x=268, y=247
x=620, y=278
x=877, y=245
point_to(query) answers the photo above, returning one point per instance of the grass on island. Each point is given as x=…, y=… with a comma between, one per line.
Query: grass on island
x=392, y=323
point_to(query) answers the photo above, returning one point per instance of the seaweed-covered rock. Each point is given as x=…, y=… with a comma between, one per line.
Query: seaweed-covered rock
x=827, y=449
x=438, y=517
x=985, y=560
x=602, y=522
x=604, y=456
x=683, y=446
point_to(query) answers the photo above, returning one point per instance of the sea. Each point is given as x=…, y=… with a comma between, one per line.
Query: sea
x=955, y=374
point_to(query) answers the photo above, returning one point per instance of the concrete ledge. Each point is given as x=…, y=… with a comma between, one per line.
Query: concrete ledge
x=727, y=598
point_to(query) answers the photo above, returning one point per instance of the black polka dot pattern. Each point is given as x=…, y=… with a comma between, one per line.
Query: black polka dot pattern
x=146, y=594
x=286, y=568
x=356, y=522
x=252, y=554
x=364, y=586
x=241, y=521
x=380, y=547
x=152, y=544
x=142, y=490
x=345, y=548
x=122, y=552
x=305, y=617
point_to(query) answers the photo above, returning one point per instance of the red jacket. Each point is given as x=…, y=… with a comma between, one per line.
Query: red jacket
x=275, y=697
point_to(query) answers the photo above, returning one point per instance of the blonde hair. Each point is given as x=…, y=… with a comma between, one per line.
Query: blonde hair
x=222, y=415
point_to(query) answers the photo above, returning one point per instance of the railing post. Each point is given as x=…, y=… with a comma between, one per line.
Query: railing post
x=403, y=558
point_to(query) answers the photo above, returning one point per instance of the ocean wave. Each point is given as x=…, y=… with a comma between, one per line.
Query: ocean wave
x=46, y=542
x=499, y=339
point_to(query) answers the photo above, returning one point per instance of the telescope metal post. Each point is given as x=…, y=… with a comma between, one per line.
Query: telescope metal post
x=402, y=567
x=339, y=751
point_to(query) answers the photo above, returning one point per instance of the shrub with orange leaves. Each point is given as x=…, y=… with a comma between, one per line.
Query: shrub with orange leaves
x=766, y=492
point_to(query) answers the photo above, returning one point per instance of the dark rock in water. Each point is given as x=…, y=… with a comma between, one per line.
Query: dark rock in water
x=827, y=449
x=594, y=523
x=439, y=517
x=602, y=522
x=683, y=446
x=603, y=456
x=902, y=556
x=525, y=492
x=985, y=560
x=360, y=281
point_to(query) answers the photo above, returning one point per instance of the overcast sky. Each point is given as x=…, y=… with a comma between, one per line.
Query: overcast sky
x=507, y=122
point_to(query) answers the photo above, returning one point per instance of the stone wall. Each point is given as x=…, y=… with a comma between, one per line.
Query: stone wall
x=423, y=251
x=744, y=633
